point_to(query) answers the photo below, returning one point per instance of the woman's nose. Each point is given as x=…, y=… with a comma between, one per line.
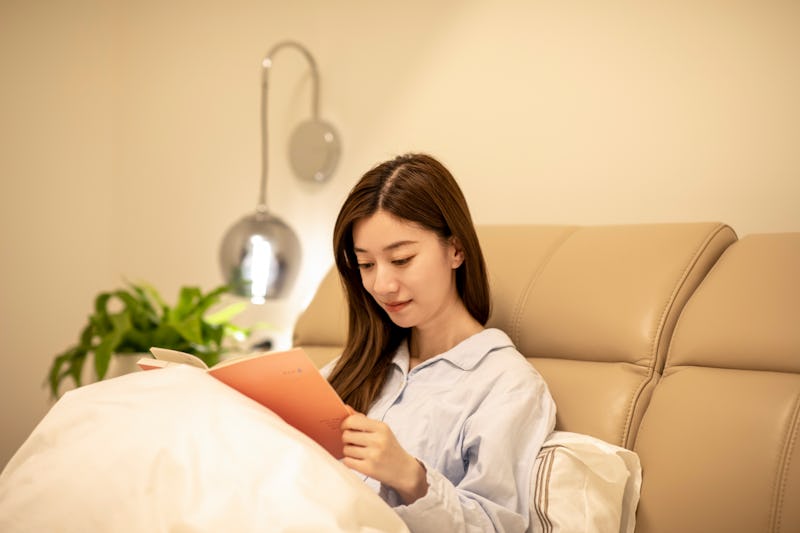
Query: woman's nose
x=385, y=281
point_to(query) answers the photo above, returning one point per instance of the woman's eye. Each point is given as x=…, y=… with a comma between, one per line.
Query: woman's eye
x=403, y=261
x=364, y=266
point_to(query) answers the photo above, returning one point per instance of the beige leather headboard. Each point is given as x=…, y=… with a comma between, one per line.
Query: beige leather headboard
x=724, y=418
x=321, y=329
x=592, y=308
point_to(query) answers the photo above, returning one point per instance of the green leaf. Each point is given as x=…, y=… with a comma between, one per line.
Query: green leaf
x=205, y=302
x=131, y=302
x=226, y=314
x=142, y=314
x=150, y=294
x=138, y=340
x=99, y=321
x=121, y=323
x=186, y=303
x=76, y=369
x=165, y=336
x=190, y=329
x=71, y=359
x=54, y=375
x=237, y=332
x=100, y=303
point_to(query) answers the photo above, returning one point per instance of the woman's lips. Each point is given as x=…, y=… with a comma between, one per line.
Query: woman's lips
x=394, y=307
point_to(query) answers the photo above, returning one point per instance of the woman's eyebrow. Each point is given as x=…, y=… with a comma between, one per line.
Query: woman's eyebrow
x=388, y=248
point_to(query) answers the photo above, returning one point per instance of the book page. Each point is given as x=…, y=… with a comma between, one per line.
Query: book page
x=148, y=363
x=290, y=385
x=174, y=356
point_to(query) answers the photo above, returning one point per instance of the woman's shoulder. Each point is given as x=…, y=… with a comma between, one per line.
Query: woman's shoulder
x=496, y=342
x=507, y=382
x=500, y=356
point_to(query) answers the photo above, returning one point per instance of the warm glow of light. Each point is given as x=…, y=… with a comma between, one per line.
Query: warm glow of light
x=257, y=268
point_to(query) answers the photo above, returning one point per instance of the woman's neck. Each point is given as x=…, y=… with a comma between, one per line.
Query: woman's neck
x=424, y=343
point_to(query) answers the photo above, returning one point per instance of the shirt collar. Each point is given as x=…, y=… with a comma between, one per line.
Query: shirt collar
x=465, y=355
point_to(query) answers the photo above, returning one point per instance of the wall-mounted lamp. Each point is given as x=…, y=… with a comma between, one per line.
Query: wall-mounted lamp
x=260, y=254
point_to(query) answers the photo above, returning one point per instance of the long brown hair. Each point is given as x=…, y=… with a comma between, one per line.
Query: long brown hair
x=419, y=189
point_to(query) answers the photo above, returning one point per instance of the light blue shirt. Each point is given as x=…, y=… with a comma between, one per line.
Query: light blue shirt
x=476, y=417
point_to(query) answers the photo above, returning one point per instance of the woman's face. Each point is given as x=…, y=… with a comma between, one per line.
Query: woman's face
x=408, y=270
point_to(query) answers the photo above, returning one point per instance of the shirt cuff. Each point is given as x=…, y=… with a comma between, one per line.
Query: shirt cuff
x=435, y=511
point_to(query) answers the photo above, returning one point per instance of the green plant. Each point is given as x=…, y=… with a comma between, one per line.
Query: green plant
x=134, y=319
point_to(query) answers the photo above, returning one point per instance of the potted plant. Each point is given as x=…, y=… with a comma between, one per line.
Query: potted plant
x=131, y=320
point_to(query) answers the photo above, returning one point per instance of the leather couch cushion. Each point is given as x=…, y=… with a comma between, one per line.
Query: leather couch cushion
x=593, y=309
x=747, y=314
x=719, y=443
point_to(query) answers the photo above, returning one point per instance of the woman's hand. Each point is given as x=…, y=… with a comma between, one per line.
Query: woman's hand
x=371, y=448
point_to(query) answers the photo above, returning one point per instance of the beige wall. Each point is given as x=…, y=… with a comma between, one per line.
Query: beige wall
x=130, y=134
x=57, y=171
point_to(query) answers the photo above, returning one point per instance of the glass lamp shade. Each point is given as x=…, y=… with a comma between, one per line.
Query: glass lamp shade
x=260, y=257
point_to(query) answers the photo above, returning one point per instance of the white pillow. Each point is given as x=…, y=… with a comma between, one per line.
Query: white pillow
x=176, y=450
x=582, y=483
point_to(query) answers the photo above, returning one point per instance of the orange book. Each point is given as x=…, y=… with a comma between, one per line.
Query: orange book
x=286, y=382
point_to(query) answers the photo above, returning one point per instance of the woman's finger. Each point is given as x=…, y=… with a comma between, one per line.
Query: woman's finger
x=357, y=438
x=354, y=452
x=356, y=422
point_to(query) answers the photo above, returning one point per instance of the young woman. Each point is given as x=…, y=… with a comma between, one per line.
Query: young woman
x=448, y=416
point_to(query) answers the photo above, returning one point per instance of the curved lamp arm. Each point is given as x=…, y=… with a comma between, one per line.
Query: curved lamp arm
x=267, y=65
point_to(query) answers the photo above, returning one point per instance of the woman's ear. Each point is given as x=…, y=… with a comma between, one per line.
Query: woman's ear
x=456, y=253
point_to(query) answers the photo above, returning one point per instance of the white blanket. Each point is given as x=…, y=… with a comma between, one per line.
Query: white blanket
x=175, y=450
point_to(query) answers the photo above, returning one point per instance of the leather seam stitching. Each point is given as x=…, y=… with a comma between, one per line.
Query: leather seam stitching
x=720, y=228
x=627, y=431
x=783, y=468
x=653, y=374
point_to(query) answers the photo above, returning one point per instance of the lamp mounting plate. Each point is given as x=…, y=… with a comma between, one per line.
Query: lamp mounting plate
x=314, y=150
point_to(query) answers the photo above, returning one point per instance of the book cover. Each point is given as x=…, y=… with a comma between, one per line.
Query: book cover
x=285, y=382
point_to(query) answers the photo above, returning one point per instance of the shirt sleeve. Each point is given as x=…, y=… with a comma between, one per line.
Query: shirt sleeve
x=501, y=441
